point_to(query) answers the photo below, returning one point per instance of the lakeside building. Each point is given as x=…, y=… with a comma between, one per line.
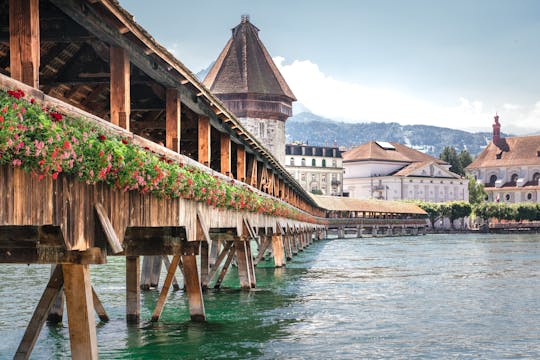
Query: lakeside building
x=245, y=78
x=509, y=168
x=393, y=171
x=316, y=168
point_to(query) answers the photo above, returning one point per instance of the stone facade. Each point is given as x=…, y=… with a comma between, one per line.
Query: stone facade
x=271, y=133
x=316, y=168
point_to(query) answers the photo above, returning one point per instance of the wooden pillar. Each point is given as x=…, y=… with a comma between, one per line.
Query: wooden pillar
x=24, y=46
x=56, y=313
x=205, y=264
x=225, y=147
x=204, y=140
x=287, y=243
x=244, y=274
x=241, y=163
x=277, y=249
x=147, y=266
x=133, y=292
x=120, y=83
x=172, y=119
x=156, y=271
x=254, y=173
x=193, y=288
x=250, y=264
x=80, y=310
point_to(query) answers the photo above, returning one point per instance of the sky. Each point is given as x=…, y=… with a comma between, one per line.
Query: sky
x=444, y=63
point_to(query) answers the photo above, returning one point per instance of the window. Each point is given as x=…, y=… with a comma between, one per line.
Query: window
x=334, y=163
x=529, y=196
x=536, y=177
x=313, y=162
x=303, y=176
x=514, y=178
x=507, y=197
x=492, y=179
x=303, y=162
x=323, y=177
x=262, y=130
x=323, y=162
x=292, y=161
x=312, y=177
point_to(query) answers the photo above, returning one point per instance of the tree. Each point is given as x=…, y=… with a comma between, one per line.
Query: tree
x=465, y=159
x=433, y=210
x=476, y=191
x=449, y=154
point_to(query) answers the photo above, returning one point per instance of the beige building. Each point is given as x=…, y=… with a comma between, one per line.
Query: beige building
x=392, y=171
x=316, y=168
x=509, y=168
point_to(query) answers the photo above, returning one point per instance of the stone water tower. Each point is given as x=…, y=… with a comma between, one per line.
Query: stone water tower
x=247, y=81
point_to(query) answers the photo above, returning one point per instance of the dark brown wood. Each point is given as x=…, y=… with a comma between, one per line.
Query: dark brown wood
x=52, y=255
x=267, y=241
x=172, y=119
x=98, y=306
x=204, y=140
x=80, y=310
x=155, y=272
x=53, y=289
x=167, y=263
x=225, y=267
x=241, y=163
x=193, y=288
x=24, y=46
x=250, y=265
x=120, y=87
x=205, y=264
x=165, y=289
x=219, y=260
x=108, y=229
x=225, y=145
x=133, y=291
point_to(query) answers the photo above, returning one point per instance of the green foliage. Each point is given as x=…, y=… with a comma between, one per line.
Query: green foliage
x=457, y=161
x=476, y=191
x=317, y=191
x=510, y=212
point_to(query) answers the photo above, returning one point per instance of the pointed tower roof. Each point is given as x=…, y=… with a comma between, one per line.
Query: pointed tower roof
x=245, y=66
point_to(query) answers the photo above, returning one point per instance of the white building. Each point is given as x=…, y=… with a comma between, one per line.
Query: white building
x=509, y=168
x=392, y=171
x=316, y=168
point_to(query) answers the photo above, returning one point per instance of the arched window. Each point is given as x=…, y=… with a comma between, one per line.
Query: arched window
x=292, y=161
x=536, y=177
x=313, y=162
x=507, y=197
x=529, y=196
x=492, y=180
x=514, y=179
x=303, y=162
x=323, y=162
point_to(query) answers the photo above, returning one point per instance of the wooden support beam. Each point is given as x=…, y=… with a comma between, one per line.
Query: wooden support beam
x=53, y=289
x=165, y=290
x=133, y=291
x=80, y=310
x=204, y=140
x=225, y=145
x=120, y=87
x=172, y=119
x=241, y=163
x=155, y=272
x=167, y=263
x=250, y=265
x=225, y=267
x=52, y=255
x=98, y=306
x=146, y=271
x=253, y=178
x=262, y=249
x=219, y=260
x=193, y=288
x=108, y=229
x=242, y=262
x=277, y=249
x=24, y=45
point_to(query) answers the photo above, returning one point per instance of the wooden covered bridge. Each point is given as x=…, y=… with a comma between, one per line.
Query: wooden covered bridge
x=359, y=217
x=109, y=146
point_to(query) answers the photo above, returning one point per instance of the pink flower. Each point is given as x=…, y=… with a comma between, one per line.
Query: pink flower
x=17, y=162
x=55, y=116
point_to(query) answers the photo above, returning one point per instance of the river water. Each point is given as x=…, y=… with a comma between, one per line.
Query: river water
x=434, y=296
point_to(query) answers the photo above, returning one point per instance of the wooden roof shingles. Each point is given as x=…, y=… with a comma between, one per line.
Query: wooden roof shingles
x=334, y=203
x=372, y=151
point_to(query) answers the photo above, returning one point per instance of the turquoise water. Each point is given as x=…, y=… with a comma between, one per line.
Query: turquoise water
x=433, y=296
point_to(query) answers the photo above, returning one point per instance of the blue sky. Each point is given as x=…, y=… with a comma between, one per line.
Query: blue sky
x=444, y=63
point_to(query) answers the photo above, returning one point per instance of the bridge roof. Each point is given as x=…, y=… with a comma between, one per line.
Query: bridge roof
x=335, y=203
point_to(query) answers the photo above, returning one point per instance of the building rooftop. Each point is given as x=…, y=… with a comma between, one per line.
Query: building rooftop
x=245, y=66
x=513, y=151
x=387, y=151
x=336, y=203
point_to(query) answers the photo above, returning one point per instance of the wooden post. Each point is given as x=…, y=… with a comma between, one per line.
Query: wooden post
x=205, y=264
x=53, y=289
x=24, y=46
x=204, y=140
x=80, y=310
x=165, y=290
x=56, y=313
x=225, y=145
x=254, y=173
x=223, y=272
x=167, y=263
x=156, y=271
x=287, y=244
x=277, y=249
x=250, y=264
x=147, y=266
x=193, y=288
x=133, y=290
x=120, y=83
x=172, y=119
x=242, y=261
x=241, y=163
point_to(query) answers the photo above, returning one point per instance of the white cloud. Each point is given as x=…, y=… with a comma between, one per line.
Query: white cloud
x=341, y=100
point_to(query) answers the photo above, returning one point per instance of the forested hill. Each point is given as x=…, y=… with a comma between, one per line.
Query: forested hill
x=315, y=130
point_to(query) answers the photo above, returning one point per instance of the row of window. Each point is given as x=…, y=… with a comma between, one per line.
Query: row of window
x=514, y=178
x=292, y=162
x=314, y=177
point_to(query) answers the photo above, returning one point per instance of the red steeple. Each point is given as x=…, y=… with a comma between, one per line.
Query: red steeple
x=496, y=130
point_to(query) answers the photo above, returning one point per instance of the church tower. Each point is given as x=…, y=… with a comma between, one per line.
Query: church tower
x=247, y=81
